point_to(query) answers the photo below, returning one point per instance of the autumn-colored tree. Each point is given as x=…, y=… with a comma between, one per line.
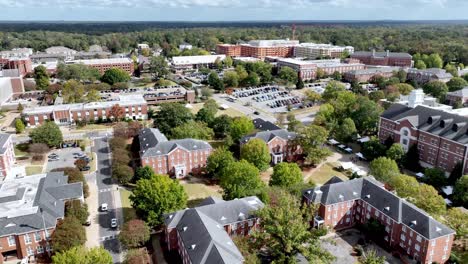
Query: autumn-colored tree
x=117, y=112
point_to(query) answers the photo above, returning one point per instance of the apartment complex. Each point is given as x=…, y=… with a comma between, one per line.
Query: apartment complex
x=460, y=96
x=315, y=51
x=307, y=69
x=133, y=106
x=29, y=210
x=23, y=65
x=441, y=137
x=172, y=157
x=103, y=65
x=366, y=75
x=259, y=48
x=408, y=229
x=7, y=155
x=427, y=75
x=387, y=58
x=281, y=144
x=181, y=63
x=203, y=234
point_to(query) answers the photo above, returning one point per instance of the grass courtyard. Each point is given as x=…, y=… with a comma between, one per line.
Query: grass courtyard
x=31, y=170
x=323, y=174
x=127, y=209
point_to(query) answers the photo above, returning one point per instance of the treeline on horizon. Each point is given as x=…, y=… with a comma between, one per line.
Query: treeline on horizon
x=449, y=39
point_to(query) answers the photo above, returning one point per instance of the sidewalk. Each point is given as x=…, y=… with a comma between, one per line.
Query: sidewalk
x=92, y=231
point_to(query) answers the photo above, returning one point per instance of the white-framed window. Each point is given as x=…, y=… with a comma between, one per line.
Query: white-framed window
x=403, y=237
x=376, y=213
x=418, y=238
x=433, y=242
x=27, y=239
x=403, y=228
x=417, y=247
x=40, y=249
x=37, y=236
x=11, y=241
x=29, y=251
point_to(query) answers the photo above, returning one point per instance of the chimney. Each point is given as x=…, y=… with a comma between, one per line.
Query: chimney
x=388, y=53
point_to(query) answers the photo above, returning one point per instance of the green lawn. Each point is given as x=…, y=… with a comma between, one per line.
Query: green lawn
x=198, y=191
x=127, y=209
x=93, y=127
x=31, y=170
x=324, y=173
x=230, y=111
x=21, y=150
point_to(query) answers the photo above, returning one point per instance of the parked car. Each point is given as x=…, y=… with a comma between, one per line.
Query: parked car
x=85, y=168
x=104, y=207
x=53, y=155
x=114, y=222
x=53, y=159
x=88, y=222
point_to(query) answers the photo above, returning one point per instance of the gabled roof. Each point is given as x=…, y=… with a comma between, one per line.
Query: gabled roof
x=333, y=179
x=437, y=122
x=373, y=192
x=267, y=136
x=263, y=125
x=461, y=93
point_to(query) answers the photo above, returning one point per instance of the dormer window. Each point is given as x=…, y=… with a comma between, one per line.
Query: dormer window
x=455, y=127
x=368, y=196
x=442, y=124
x=413, y=223
x=387, y=208
x=429, y=120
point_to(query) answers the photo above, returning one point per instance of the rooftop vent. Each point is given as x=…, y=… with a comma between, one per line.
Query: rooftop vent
x=368, y=196
x=414, y=222
x=309, y=191
x=185, y=228
x=438, y=229
x=387, y=208
x=223, y=218
x=170, y=216
x=193, y=246
x=144, y=139
x=341, y=196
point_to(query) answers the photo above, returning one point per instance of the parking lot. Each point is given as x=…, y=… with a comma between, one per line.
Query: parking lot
x=269, y=98
x=66, y=157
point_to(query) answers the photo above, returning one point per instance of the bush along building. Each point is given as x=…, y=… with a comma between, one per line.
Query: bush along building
x=173, y=157
x=405, y=228
x=441, y=137
x=203, y=234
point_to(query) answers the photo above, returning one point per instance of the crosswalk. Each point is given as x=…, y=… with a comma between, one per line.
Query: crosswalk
x=108, y=237
x=105, y=190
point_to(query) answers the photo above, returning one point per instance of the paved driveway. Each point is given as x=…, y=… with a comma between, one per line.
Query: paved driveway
x=66, y=158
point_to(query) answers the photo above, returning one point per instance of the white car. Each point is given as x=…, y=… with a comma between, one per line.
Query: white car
x=104, y=207
x=114, y=222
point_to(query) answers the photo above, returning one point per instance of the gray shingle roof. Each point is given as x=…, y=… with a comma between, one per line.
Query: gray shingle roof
x=3, y=139
x=201, y=229
x=267, y=136
x=154, y=143
x=372, y=191
x=382, y=54
x=51, y=192
x=433, y=121
x=263, y=125
x=461, y=93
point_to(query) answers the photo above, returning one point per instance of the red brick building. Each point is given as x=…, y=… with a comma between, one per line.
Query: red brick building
x=29, y=211
x=103, y=65
x=280, y=143
x=441, y=137
x=384, y=58
x=172, y=157
x=133, y=106
x=23, y=65
x=229, y=50
x=259, y=48
x=169, y=95
x=7, y=155
x=407, y=229
x=203, y=234
x=366, y=75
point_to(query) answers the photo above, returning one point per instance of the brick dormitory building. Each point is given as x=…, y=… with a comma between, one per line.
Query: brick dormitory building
x=29, y=210
x=203, y=234
x=173, y=157
x=386, y=58
x=441, y=137
x=408, y=229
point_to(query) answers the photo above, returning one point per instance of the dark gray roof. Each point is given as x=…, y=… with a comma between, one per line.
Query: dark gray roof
x=154, y=143
x=267, y=136
x=3, y=139
x=52, y=190
x=394, y=110
x=202, y=232
x=461, y=93
x=373, y=192
x=382, y=54
x=333, y=179
x=437, y=122
x=210, y=200
x=263, y=125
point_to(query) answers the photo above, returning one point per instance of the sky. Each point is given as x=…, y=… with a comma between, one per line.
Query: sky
x=232, y=10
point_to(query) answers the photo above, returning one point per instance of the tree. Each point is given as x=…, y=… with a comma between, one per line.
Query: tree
x=171, y=115
x=83, y=255
x=215, y=82
x=384, y=169
x=193, y=129
x=452, y=69
x=93, y=96
x=456, y=83
x=145, y=172
x=158, y=67
x=78, y=210
x=153, y=197
x=371, y=257
x=313, y=96
x=244, y=244
x=240, y=179
x=332, y=90
x=19, y=126
x=336, y=75
x=221, y=126
x=80, y=164
x=404, y=88
x=401, y=75
x=365, y=114
x=373, y=149
x=256, y=152
x=73, y=92
x=456, y=173
x=38, y=149
x=286, y=175
x=405, y=186
x=435, y=177
x=49, y=133
x=320, y=73
x=240, y=127
x=285, y=231
x=457, y=219
x=376, y=96
x=411, y=160
x=435, y=88
x=460, y=191
x=228, y=62
x=300, y=83
x=396, y=153
x=122, y=173
x=311, y=139
x=74, y=175
x=288, y=75
x=135, y=233
x=252, y=79
x=41, y=77
x=420, y=65
x=429, y=200
x=434, y=61
x=346, y=130
x=69, y=233
x=136, y=256
x=231, y=79
x=293, y=123
x=20, y=108
x=117, y=112
x=115, y=75
x=220, y=158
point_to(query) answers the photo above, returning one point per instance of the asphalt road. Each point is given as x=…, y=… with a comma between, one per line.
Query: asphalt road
x=105, y=187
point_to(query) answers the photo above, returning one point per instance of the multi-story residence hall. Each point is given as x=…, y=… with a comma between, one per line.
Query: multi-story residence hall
x=7, y=155
x=384, y=58
x=203, y=234
x=281, y=144
x=441, y=137
x=29, y=210
x=173, y=157
x=408, y=229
